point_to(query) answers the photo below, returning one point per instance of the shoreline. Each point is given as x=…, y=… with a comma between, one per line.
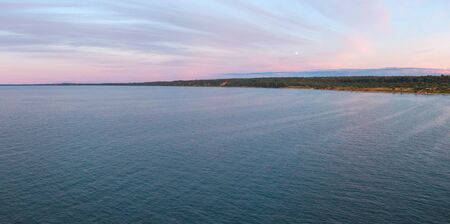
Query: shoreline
x=374, y=90
x=365, y=90
x=421, y=85
x=391, y=84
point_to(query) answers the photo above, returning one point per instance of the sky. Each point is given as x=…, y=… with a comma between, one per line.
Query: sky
x=51, y=41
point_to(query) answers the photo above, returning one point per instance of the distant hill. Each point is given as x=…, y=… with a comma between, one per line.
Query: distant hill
x=343, y=72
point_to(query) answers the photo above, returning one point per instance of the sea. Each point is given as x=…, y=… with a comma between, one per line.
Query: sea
x=129, y=154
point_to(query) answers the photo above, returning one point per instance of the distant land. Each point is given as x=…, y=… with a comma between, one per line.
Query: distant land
x=394, y=80
x=343, y=72
x=394, y=84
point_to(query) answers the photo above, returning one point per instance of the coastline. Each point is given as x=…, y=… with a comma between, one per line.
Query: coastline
x=376, y=90
x=423, y=85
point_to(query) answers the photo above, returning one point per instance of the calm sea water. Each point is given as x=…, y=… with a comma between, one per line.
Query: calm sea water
x=222, y=155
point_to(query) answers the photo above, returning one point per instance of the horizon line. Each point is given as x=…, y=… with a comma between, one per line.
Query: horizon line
x=244, y=73
x=240, y=73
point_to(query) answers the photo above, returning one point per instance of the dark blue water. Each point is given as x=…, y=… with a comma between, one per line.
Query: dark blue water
x=222, y=155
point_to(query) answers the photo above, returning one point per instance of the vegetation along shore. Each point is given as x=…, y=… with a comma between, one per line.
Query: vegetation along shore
x=395, y=84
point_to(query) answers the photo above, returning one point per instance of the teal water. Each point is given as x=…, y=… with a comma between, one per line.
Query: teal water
x=222, y=155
